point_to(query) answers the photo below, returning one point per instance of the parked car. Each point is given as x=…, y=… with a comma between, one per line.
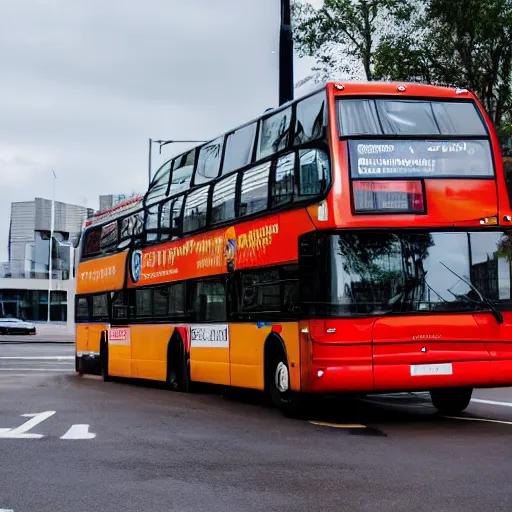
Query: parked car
x=16, y=326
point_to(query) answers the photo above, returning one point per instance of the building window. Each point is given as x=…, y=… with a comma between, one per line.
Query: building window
x=254, y=197
x=196, y=207
x=223, y=202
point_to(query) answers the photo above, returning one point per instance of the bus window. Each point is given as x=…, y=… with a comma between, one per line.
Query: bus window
x=208, y=162
x=196, y=206
x=311, y=119
x=160, y=301
x=100, y=307
x=209, y=301
x=283, y=188
x=274, y=133
x=82, y=309
x=152, y=223
x=92, y=241
x=177, y=300
x=158, y=188
x=254, y=197
x=223, y=203
x=314, y=172
x=143, y=307
x=239, y=148
x=182, y=173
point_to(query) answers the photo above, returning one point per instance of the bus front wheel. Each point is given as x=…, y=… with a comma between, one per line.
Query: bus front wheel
x=292, y=404
x=451, y=401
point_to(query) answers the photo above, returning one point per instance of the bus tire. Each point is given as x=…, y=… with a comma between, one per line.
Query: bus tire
x=277, y=382
x=451, y=401
x=104, y=359
x=178, y=378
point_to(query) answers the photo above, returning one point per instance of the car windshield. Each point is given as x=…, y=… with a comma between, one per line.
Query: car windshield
x=375, y=273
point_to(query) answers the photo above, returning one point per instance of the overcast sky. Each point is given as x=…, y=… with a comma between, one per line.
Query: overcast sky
x=85, y=83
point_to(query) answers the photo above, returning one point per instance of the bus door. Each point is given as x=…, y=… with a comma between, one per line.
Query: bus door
x=119, y=339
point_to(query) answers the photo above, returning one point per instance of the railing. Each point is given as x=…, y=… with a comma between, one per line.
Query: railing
x=14, y=271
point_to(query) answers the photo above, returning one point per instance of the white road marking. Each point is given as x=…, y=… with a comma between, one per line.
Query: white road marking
x=21, y=431
x=6, y=510
x=336, y=425
x=63, y=370
x=38, y=358
x=478, y=419
x=78, y=432
x=491, y=402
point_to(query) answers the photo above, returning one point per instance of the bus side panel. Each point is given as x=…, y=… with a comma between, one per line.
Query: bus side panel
x=82, y=338
x=119, y=354
x=209, y=353
x=246, y=355
x=290, y=336
x=94, y=338
x=149, y=351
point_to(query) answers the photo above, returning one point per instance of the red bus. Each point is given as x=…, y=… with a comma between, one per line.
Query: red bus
x=356, y=240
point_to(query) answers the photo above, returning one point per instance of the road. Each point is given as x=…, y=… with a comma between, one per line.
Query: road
x=124, y=446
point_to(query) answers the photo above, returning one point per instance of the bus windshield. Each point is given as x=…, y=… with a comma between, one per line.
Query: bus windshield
x=465, y=152
x=375, y=273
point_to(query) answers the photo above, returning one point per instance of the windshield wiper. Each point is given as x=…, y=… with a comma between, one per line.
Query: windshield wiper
x=485, y=300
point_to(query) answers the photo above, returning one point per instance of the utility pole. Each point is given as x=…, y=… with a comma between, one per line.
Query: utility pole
x=285, y=54
x=50, y=251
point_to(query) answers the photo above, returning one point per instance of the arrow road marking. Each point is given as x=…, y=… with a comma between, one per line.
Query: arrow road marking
x=78, y=432
x=21, y=431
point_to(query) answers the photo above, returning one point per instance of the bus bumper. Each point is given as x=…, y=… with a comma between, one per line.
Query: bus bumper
x=340, y=376
x=88, y=363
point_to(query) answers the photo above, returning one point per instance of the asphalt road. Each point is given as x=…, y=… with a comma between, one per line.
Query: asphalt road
x=132, y=447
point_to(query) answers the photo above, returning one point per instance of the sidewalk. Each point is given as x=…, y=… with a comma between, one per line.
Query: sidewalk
x=57, y=332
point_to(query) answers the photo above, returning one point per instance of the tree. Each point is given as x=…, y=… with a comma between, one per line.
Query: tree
x=466, y=43
x=343, y=34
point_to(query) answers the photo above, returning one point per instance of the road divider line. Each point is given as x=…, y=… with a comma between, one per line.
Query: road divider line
x=478, y=419
x=37, y=358
x=491, y=402
x=337, y=425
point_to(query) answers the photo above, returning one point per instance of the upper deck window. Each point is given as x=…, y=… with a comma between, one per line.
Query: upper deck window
x=310, y=119
x=408, y=117
x=274, y=133
x=208, y=163
x=182, y=173
x=239, y=148
x=158, y=188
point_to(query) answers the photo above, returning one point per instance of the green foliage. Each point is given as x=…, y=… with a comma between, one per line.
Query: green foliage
x=342, y=35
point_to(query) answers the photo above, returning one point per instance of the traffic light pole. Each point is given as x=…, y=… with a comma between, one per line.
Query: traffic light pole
x=285, y=54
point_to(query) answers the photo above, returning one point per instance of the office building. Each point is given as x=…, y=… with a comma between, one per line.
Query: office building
x=24, y=279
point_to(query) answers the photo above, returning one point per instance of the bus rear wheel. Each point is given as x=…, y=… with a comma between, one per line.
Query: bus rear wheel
x=177, y=368
x=104, y=360
x=451, y=401
x=291, y=404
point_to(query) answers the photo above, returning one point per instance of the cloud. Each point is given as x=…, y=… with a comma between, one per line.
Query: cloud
x=85, y=83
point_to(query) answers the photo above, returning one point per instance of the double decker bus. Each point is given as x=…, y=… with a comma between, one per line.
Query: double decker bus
x=356, y=240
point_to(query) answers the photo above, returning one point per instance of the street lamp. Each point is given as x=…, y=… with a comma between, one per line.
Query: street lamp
x=50, y=258
x=285, y=54
x=161, y=144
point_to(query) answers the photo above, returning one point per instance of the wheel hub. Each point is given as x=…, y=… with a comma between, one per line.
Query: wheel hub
x=282, y=378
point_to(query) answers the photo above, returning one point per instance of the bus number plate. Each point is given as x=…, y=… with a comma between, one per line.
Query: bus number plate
x=431, y=369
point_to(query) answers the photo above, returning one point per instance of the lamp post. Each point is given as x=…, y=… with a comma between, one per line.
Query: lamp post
x=162, y=143
x=50, y=252
x=285, y=54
